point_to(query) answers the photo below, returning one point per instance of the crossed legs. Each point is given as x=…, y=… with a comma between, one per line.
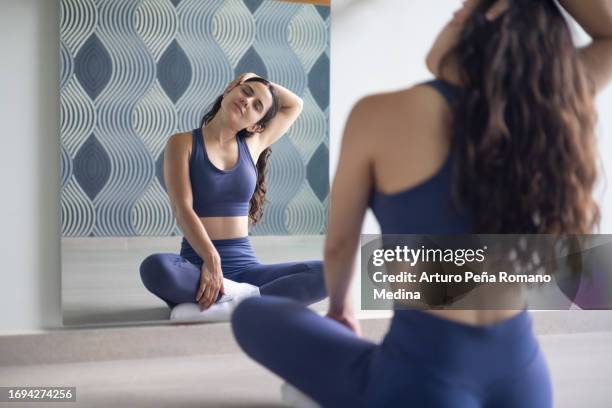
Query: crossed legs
x=175, y=280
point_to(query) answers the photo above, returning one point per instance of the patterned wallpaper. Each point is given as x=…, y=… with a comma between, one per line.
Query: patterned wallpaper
x=135, y=72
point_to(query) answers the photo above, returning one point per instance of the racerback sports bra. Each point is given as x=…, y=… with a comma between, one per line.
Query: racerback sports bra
x=216, y=192
x=427, y=207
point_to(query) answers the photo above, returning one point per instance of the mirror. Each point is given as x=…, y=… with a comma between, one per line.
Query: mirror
x=134, y=73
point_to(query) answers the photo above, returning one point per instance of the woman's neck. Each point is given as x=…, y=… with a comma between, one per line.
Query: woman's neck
x=217, y=130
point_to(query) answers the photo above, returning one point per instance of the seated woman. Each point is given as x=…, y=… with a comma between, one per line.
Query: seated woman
x=215, y=188
x=502, y=141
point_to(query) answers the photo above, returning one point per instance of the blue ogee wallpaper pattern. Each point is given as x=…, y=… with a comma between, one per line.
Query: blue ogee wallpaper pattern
x=135, y=72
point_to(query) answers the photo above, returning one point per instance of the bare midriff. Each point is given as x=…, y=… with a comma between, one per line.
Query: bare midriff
x=226, y=227
x=484, y=305
x=509, y=296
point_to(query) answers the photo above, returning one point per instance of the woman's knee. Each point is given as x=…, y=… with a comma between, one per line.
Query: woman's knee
x=316, y=269
x=257, y=315
x=152, y=271
x=245, y=321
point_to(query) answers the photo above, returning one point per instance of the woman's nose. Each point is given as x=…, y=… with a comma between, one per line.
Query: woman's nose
x=247, y=101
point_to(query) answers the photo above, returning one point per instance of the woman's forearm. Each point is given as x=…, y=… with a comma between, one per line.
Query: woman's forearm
x=594, y=16
x=195, y=233
x=288, y=100
x=338, y=264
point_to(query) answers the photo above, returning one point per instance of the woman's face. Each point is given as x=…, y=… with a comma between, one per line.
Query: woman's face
x=246, y=103
x=447, y=38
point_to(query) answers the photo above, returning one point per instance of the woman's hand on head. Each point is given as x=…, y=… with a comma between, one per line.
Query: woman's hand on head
x=468, y=7
x=238, y=80
x=447, y=39
x=211, y=281
x=347, y=319
x=462, y=13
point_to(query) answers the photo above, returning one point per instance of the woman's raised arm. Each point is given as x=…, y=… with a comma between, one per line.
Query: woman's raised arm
x=595, y=18
x=290, y=107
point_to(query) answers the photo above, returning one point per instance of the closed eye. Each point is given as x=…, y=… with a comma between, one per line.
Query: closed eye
x=247, y=90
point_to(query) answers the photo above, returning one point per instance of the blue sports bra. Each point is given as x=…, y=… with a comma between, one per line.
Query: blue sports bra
x=216, y=192
x=427, y=207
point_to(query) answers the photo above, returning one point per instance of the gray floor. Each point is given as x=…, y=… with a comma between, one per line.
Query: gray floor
x=581, y=367
x=101, y=283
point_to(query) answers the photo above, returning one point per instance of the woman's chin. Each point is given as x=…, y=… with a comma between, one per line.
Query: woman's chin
x=234, y=119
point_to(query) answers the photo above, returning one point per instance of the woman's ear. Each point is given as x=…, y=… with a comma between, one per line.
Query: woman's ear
x=256, y=128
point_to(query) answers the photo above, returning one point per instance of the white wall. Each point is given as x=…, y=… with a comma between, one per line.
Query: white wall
x=29, y=169
x=380, y=45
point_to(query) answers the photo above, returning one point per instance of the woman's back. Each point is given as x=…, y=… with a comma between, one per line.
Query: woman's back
x=413, y=170
x=412, y=167
x=414, y=127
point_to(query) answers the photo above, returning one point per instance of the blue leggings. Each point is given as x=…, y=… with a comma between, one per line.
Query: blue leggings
x=176, y=278
x=423, y=361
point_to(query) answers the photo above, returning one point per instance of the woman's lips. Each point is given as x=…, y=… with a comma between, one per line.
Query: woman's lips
x=239, y=108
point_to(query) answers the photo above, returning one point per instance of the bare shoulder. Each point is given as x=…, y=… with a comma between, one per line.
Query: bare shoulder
x=408, y=113
x=414, y=101
x=409, y=135
x=181, y=138
x=422, y=101
x=179, y=144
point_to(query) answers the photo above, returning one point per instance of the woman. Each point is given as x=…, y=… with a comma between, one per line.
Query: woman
x=215, y=188
x=501, y=142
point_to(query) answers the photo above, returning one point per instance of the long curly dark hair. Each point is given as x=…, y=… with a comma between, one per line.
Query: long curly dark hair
x=259, y=196
x=524, y=123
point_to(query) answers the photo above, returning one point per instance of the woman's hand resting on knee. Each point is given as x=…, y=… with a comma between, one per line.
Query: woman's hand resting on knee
x=211, y=281
x=347, y=319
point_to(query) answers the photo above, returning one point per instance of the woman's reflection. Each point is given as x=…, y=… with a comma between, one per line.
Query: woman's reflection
x=215, y=179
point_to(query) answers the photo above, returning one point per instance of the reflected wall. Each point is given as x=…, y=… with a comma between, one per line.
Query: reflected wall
x=135, y=72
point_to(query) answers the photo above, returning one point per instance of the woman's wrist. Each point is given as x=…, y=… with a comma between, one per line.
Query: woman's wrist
x=288, y=99
x=340, y=307
x=211, y=256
